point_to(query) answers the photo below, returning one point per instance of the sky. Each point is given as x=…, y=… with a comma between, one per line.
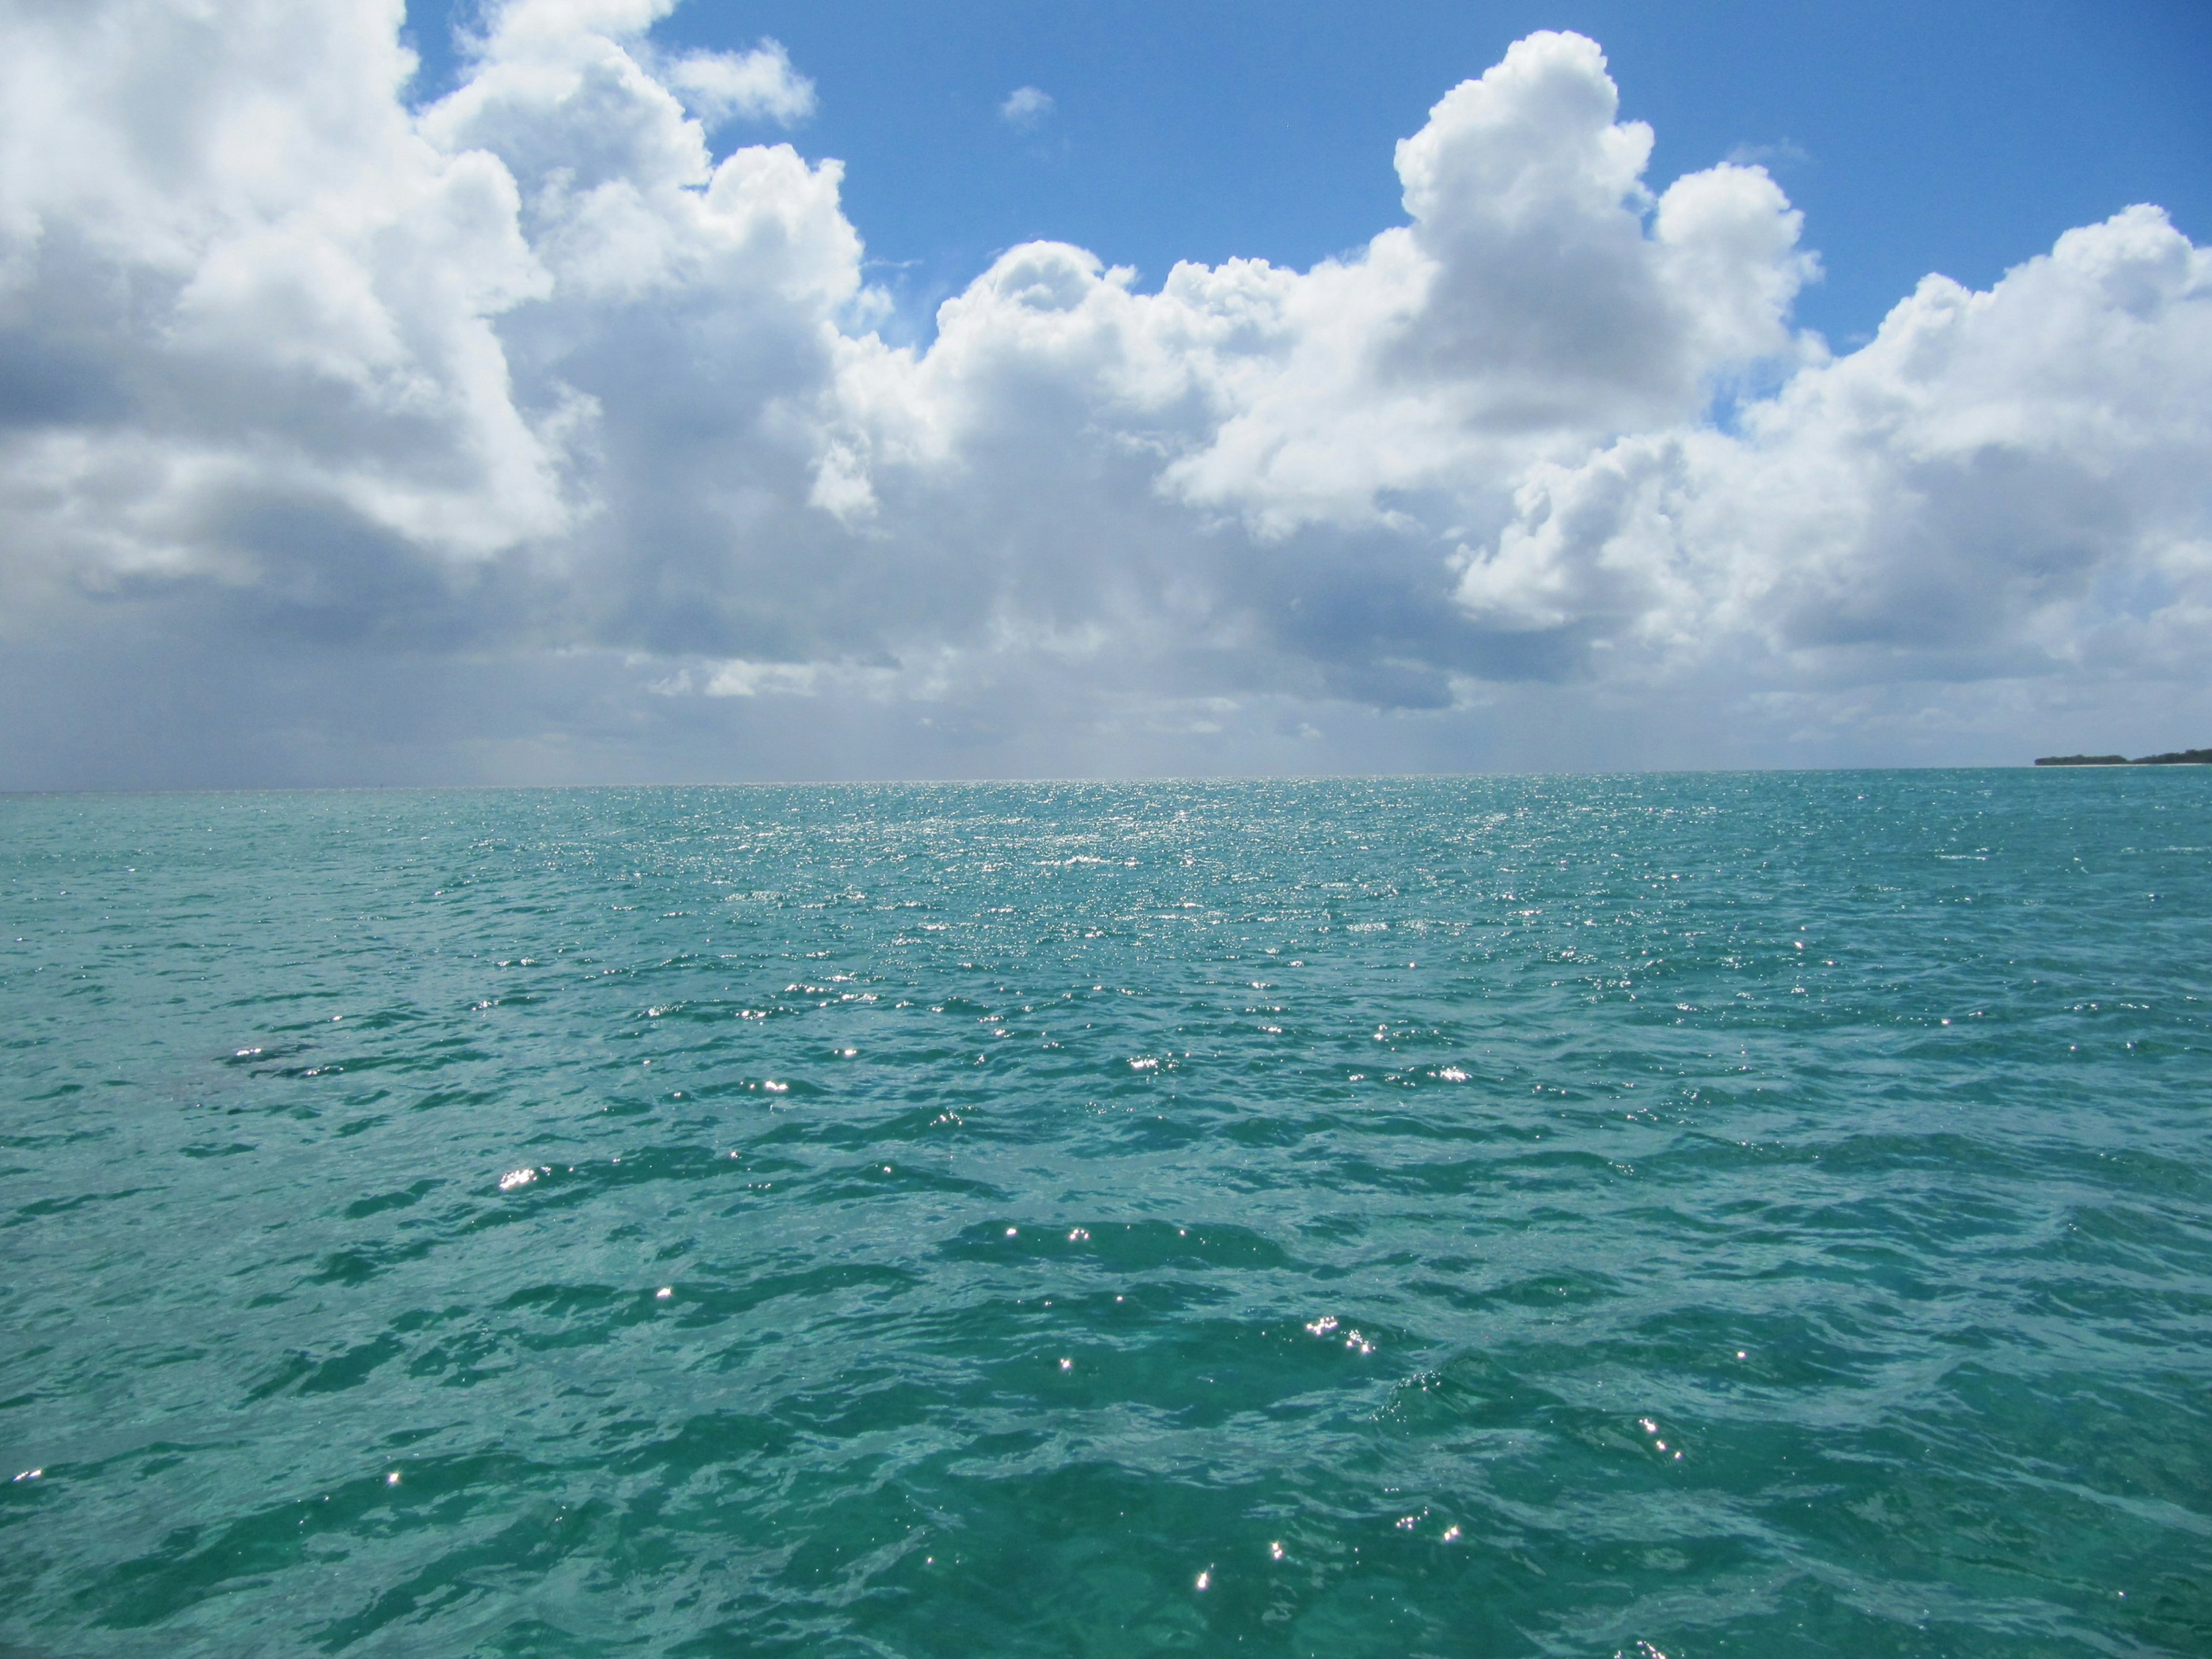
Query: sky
x=1962, y=138
x=605, y=390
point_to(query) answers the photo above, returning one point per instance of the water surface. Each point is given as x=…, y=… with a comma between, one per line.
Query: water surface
x=1761, y=1215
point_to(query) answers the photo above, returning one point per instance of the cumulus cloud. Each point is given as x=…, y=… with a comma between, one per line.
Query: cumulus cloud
x=248, y=306
x=759, y=85
x=519, y=436
x=1026, y=107
x=1999, y=485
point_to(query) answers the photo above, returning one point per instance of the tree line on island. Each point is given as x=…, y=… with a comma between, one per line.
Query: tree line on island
x=2178, y=757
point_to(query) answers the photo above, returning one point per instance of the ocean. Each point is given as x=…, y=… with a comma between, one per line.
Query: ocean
x=1760, y=1214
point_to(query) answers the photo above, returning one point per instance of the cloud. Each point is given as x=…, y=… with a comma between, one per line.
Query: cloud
x=759, y=85
x=520, y=436
x=1026, y=107
x=2000, y=484
x=1784, y=153
x=245, y=283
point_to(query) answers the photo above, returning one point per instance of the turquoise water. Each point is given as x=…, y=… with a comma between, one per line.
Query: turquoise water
x=1759, y=1215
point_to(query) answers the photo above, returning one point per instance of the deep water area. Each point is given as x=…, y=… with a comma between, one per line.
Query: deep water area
x=1688, y=1215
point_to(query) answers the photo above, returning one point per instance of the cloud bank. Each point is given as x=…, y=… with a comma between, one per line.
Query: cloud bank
x=523, y=436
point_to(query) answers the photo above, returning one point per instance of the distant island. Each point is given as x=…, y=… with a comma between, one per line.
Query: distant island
x=2180, y=757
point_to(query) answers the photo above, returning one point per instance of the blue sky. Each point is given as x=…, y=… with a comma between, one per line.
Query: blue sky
x=625, y=399
x=1960, y=136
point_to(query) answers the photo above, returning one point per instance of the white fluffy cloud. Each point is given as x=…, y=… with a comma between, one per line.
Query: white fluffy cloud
x=237, y=285
x=308, y=400
x=759, y=84
x=2007, y=483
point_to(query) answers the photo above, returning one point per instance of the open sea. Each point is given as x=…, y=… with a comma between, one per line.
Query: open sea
x=1688, y=1215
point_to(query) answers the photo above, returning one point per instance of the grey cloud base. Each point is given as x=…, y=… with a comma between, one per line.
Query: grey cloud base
x=520, y=440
